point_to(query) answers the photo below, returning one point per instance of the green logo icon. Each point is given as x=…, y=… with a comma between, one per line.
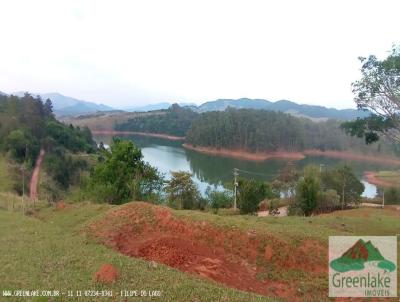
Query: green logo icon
x=355, y=258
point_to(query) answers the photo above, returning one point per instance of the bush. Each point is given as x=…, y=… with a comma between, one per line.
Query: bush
x=182, y=192
x=121, y=175
x=308, y=189
x=328, y=201
x=250, y=193
x=219, y=199
x=392, y=196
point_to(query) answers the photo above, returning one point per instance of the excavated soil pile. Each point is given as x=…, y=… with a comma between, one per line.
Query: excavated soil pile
x=106, y=274
x=244, y=260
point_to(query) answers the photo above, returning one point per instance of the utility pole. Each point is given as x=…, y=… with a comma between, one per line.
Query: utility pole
x=23, y=188
x=235, y=174
x=383, y=199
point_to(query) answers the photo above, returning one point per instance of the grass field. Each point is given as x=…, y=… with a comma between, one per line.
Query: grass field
x=50, y=251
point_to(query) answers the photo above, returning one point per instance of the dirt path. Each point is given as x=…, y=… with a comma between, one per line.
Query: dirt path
x=35, y=176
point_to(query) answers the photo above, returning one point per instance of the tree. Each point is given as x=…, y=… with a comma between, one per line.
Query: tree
x=308, y=190
x=378, y=90
x=121, y=174
x=182, y=192
x=250, y=193
x=48, y=108
x=392, y=196
x=328, y=201
x=148, y=184
x=343, y=180
x=219, y=199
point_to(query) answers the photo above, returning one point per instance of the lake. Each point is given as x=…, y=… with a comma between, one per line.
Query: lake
x=210, y=170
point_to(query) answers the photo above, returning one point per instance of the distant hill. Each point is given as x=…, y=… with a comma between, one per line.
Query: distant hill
x=2, y=93
x=67, y=106
x=310, y=111
x=158, y=106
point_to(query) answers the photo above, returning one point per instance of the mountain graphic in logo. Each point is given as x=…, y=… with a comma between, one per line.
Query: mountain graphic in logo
x=359, y=254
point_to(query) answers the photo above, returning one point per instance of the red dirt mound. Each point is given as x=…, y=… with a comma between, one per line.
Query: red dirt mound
x=106, y=274
x=60, y=205
x=244, y=260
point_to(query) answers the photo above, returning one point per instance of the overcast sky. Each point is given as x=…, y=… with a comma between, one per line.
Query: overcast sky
x=129, y=53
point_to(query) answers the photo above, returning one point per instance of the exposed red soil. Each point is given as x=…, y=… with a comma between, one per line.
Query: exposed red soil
x=106, y=274
x=261, y=156
x=238, y=259
x=242, y=154
x=60, y=205
x=35, y=176
x=372, y=177
x=159, y=135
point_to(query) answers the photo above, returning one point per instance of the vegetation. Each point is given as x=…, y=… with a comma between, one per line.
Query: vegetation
x=345, y=183
x=260, y=131
x=326, y=191
x=182, y=192
x=122, y=175
x=219, y=199
x=6, y=184
x=392, y=196
x=378, y=90
x=58, y=249
x=308, y=190
x=176, y=121
x=28, y=125
x=50, y=252
x=250, y=193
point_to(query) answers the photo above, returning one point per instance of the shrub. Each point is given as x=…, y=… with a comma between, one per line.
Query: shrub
x=250, y=193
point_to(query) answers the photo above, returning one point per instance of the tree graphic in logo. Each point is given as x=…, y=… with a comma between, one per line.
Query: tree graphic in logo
x=355, y=258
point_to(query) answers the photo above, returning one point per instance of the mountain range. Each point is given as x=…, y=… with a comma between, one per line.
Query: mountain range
x=301, y=110
x=69, y=106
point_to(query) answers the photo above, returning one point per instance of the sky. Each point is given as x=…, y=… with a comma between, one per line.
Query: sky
x=131, y=53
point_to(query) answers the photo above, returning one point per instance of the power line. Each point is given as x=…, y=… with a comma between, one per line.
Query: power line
x=255, y=173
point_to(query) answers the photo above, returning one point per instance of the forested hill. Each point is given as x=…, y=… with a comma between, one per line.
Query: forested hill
x=261, y=130
x=173, y=121
x=28, y=125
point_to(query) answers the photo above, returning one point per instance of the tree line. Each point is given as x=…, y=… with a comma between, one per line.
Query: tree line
x=173, y=121
x=260, y=130
x=253, y=130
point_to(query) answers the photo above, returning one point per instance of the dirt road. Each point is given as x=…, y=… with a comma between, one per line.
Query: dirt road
x=33, y=186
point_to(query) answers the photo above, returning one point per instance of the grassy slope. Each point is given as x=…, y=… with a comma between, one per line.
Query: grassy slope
x=51, y=252
x=363, y=221
x=105, y=121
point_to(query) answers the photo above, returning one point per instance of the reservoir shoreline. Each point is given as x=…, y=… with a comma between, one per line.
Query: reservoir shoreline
x=261, y=156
